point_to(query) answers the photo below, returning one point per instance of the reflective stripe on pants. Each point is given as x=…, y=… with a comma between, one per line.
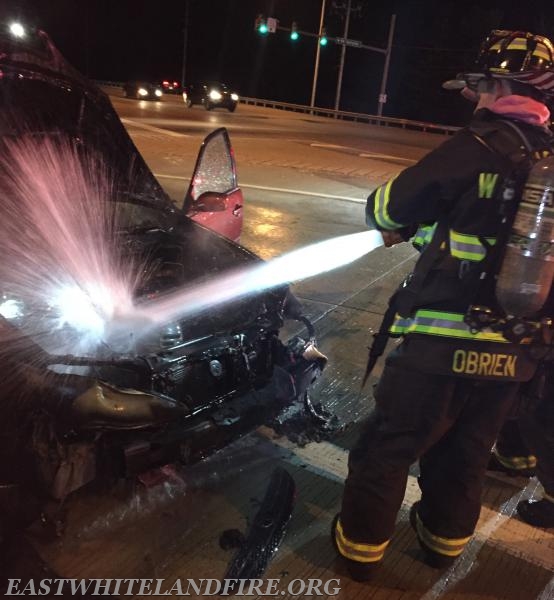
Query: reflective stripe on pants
x=359, y=552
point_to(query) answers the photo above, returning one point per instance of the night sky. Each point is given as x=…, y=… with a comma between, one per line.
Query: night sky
x=117, y=40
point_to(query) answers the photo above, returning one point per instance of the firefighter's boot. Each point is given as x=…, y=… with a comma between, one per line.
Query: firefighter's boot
x=430, y=557
x=357, y=571
x=523, y=466
x=539, y=514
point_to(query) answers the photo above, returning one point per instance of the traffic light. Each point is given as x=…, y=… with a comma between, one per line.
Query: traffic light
x=323, y=39
x=294, y=31
x=260, y=25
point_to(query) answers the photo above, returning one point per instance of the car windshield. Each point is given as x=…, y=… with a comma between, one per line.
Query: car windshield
x=215, y=85
x=137, y=213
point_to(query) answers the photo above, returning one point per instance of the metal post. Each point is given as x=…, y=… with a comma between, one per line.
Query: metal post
x=342, y=54
x=383, y=92
x=185, y=36
x=316, y=67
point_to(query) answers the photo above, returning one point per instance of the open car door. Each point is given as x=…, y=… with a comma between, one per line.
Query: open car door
x=213, y=198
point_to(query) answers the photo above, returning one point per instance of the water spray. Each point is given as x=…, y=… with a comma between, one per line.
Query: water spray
x=303, y=263
x=62, y=272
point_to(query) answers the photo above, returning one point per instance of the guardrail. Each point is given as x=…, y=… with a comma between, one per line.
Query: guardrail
x=337, y=114
x=352, y=116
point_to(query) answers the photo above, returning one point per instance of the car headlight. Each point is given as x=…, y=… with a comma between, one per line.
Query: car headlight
x=158, y=93
x=10, y=308
x=142, y=92
x=235, y=97
x=215, y=95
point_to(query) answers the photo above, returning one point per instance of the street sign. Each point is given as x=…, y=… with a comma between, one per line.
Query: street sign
x=353, y=43
x=271, y=25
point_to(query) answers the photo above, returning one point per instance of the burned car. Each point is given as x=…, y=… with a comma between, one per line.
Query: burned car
x=122, y=346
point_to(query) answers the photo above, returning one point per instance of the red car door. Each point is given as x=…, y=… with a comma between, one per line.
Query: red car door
x=213, y=198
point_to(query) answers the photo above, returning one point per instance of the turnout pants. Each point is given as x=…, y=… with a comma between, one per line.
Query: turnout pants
x=528, y=439
x=450, y=424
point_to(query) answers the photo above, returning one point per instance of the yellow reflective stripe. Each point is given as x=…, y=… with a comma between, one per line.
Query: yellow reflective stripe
x=487, y=183
x=521, y=44
x=517, y=44
x=541, y=53
x=467, y=238
x=441, y=324
x=516, y=462
x=468, y=247
x=359, y=552
x=440, y=545
x=424, y=235
x=382, y=216
x=462, y=255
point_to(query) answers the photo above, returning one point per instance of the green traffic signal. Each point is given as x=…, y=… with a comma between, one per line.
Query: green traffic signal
x=260, y=25
x=323, y=38
x=294, y=32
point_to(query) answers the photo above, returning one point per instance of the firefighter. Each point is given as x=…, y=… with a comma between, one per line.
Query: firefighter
x=447, y=388
x=525, y=445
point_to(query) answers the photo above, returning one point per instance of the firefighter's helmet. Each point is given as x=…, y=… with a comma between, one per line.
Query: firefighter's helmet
x=514, y=55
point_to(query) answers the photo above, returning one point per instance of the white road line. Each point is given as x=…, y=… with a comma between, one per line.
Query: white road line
x=275, y=189
x=387, y=157
x=152, y=128
x=548, y=592
x=363, y=154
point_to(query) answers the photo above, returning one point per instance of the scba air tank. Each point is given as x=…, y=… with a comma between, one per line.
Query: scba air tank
x=527, y=270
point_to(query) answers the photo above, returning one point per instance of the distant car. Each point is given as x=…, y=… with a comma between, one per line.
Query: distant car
x=211, y=94
x=142, y=90
x=171, y=87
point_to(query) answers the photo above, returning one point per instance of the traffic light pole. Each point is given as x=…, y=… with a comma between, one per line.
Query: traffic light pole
x=342, y=41
x=342, y=54
x=383, y=92
x=185, y=41
x=318, y=50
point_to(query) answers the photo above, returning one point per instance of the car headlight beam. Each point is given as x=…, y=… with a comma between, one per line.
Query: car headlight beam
x=142, y=92
x=17, y=30
x=235, y=97
x=215, y=95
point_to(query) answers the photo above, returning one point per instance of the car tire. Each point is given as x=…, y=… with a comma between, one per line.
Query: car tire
x=232, y=108
x=208, y=106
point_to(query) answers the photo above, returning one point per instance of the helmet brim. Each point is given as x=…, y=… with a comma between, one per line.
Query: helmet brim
x=454, y=84
x=541, y=80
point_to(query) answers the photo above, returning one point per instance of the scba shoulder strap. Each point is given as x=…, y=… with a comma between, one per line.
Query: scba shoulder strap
x=507, y=140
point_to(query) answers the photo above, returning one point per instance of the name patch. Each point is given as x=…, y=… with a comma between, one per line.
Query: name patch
x=470, y=362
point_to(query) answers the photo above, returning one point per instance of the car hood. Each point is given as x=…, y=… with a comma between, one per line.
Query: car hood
x=42, y=95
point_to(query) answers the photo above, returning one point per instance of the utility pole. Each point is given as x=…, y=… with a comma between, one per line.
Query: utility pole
x=318, y=49
x=343, y=53
x=185, y=40
x=383, y=92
